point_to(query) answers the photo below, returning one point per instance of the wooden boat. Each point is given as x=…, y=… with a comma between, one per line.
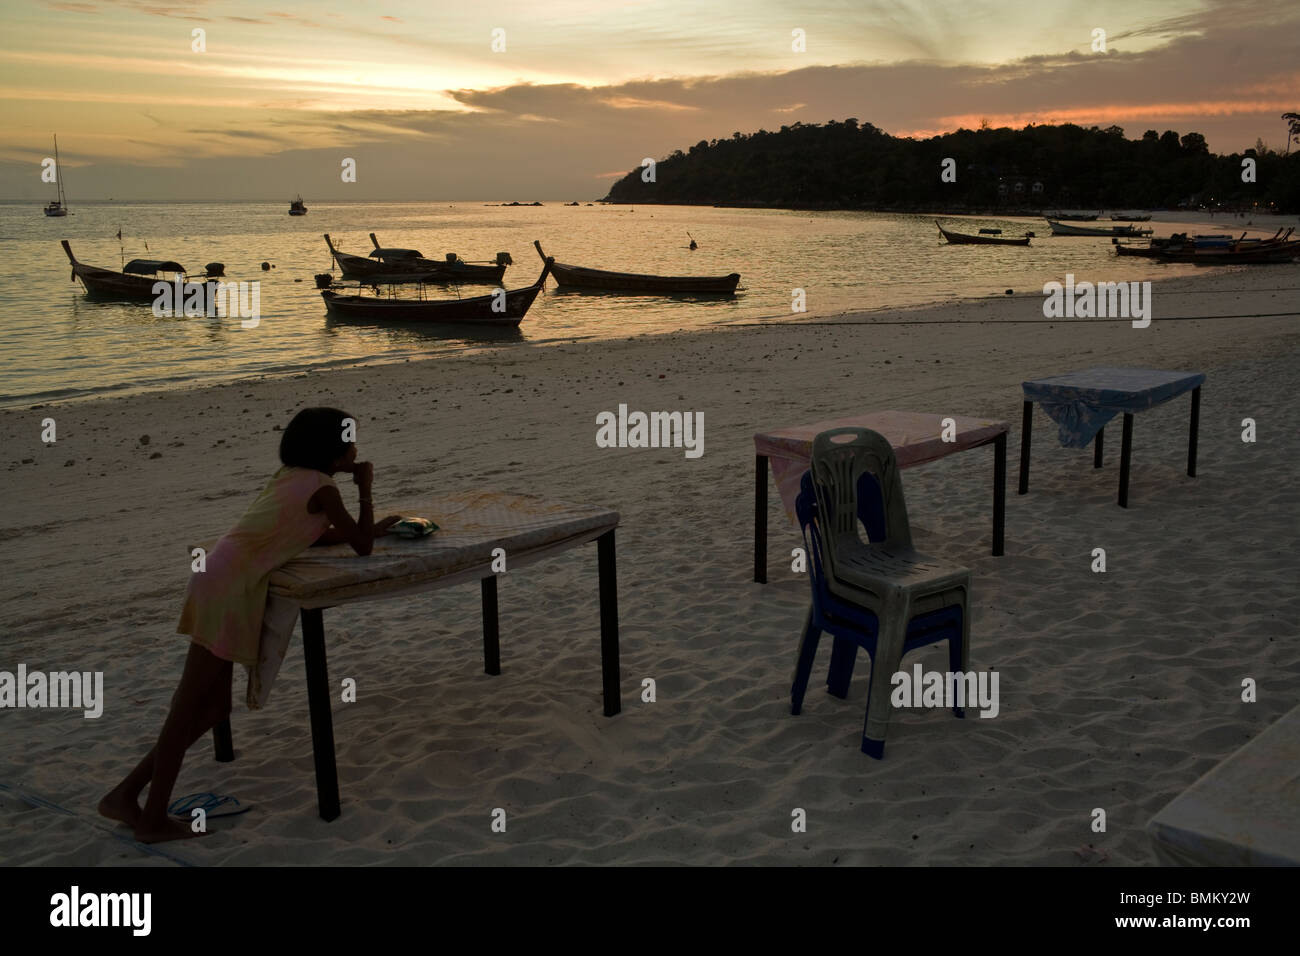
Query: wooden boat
x=136, y=281
x=359, y=267
x=297, y=207
x=579, y=277
x=1130, y=218
x=511, y=306
x=59, y=205
x=1071, y=217
x=451, y=269
x=1066, y=229
x=963, y=239
x=1212, y=250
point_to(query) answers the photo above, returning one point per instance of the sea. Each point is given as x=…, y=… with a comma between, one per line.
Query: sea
x=56, y=345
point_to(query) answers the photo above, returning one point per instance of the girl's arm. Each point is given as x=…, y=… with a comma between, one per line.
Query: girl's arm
x=361, y=533
x=335, y=536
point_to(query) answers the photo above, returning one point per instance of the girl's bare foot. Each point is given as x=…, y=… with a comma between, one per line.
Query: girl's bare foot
x=118, y=806
x=168, y=829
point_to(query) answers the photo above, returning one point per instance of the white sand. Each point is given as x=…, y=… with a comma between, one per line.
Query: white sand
x=1117, y=690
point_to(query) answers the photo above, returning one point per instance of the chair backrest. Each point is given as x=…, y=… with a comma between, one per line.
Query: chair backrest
x=838, y=467
x=805, y=509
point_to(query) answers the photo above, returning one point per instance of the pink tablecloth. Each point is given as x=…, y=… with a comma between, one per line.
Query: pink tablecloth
x=917, y=438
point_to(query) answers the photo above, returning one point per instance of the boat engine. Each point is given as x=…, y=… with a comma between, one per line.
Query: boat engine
x=216, y=270
x=323, y=280
x=503, y=259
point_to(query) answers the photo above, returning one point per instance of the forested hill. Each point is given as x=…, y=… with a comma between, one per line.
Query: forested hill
x=856, y=166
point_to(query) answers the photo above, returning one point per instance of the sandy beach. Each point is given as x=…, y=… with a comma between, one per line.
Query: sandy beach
x=1118, y=690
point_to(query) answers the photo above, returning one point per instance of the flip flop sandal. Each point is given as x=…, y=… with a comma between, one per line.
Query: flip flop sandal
x=210, y=803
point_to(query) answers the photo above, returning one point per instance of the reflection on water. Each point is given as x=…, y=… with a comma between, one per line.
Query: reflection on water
x=54, y=341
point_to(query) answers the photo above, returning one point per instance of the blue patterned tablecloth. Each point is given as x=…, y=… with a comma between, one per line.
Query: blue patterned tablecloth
x=1082, y=402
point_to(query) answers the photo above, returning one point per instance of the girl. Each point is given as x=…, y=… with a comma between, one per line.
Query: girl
x=224, y=603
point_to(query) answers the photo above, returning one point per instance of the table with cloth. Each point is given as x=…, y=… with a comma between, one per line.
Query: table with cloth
x=472, y=525
x=916, y=437
x=1082, y=402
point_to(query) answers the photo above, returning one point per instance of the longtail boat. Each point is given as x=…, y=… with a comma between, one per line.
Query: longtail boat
x=451, y=269
x=1130, y=218
x=501, y=308
x=1216, y=250
x=359, y=267
x=1066, y=229
x=962, y=239
x=136, y=281
x=580, y=277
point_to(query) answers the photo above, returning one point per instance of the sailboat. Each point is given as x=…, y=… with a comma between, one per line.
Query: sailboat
x=59, y=207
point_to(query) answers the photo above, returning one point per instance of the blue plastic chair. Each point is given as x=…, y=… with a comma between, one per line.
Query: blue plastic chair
x=884, y=575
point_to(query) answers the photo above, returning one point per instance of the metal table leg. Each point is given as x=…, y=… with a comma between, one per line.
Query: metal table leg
x=1096, y=447
x=760, y=519
x=1125, y=459
x=999, y=493
x=223, y=742
x=1191, y=437
x=1026, y=429
x=609, y=667
x=322, y=720
x=491, y=631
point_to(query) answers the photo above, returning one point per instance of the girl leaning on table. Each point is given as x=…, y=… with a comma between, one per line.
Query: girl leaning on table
x=224, y=603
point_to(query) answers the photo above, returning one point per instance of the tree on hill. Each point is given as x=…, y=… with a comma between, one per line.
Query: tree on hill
x=854, y=165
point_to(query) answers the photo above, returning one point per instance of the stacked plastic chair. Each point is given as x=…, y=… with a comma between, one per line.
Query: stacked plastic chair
x=881, y=594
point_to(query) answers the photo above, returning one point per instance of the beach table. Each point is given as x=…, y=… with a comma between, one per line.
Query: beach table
x=472, y=525
x=1082, y=402
x=917, y=438
x=1241, y=813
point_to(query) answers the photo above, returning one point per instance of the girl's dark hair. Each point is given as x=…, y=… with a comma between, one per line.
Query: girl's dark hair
x=314, y=439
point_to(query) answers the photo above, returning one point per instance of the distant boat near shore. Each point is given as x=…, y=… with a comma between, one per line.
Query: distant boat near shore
x=1068, y=229
x=1216, y=250
x=988, y=237
x=297, y=207
x=579, y=277
x=136, y=281
x=500, y=309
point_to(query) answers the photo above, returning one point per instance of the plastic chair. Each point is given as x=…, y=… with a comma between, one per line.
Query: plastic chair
x=880, y=595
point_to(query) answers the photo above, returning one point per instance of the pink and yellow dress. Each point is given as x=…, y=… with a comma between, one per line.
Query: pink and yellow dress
x=225, y=602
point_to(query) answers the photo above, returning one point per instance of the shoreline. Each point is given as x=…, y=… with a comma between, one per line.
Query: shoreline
x=1209, y=283
x=1117, y=690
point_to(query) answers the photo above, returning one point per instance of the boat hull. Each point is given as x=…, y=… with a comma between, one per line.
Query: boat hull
x=476, y=311
x=961, y=239
x=1065, y=229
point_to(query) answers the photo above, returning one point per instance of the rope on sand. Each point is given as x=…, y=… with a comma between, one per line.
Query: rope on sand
x=42, y=803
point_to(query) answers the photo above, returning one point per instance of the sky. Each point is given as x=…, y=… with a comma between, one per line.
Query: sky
x=556, y=100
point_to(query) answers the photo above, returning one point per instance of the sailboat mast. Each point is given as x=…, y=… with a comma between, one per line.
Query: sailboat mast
x=58, y=174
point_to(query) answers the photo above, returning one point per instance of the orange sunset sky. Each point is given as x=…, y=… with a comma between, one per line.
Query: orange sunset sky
x=282, y=91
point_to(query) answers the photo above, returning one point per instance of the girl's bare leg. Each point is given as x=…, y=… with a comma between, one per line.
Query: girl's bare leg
x=201, y=701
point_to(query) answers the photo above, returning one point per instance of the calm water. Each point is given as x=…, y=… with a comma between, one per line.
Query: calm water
x=54, y=343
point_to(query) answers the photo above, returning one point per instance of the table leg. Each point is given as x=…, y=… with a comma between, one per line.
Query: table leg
x=1026, y=428
x=322, y=720
x=760, y=519
x=1125, y=459
x=1191, y=437
x=223, y=742
x=1096, y=447
x=609, y=668
x=999, y=492
x=491, y=630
